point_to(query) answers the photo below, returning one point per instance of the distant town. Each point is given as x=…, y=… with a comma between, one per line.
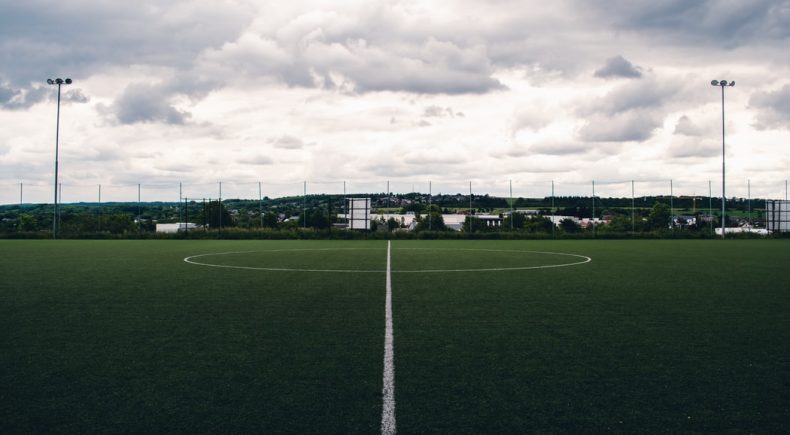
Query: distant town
x=413, y=212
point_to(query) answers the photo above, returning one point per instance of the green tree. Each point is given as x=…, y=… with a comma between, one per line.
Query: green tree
x=539, y=224
x=214, y=214
x=518, y=221
x=270, y=219
x=27, y=222
x=392, y=224
x=659, y=216
x=570, y=226
x=317, y=218
x=619, y=224
x=476, y=225
x=118, y=223
x=76, y=224
x=146, y=224
x=433, y=221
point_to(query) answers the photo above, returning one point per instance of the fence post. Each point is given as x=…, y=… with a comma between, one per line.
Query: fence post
x=633, y=211
x=593, y=207
x=511, y=205
x=553, y=211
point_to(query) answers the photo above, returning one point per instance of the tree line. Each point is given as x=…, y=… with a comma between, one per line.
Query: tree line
x=320, y=212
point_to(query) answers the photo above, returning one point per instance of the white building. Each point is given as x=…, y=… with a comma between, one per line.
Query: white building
x=176, y=227
x=556, y=219
x=736, y=230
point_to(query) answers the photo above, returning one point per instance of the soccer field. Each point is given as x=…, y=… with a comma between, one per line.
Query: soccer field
x=489, y=336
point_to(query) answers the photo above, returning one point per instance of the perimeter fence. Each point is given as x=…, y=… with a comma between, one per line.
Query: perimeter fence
x=137, y=207
x=146, y=191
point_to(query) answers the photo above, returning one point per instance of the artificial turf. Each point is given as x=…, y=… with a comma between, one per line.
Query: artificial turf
x=126, y=337
x=650, y=336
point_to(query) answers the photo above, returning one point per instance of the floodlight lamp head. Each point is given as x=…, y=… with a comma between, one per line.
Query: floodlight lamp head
x=723, y=82
x=68, y=81
x=59, y=81
x=714, y=83
x=732, y=83
x=50, y=82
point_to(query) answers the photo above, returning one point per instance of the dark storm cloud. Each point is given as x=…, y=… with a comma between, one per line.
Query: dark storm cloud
x=773, y=108
x=618, y=66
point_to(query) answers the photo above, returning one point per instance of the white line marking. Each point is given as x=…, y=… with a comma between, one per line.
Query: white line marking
x=388, y=392
x=278, y=269
x=585, y=258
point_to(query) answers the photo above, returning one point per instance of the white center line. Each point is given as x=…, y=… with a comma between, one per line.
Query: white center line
x=388, y=410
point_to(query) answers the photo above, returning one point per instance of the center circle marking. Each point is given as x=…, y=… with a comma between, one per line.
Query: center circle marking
x=580, y=259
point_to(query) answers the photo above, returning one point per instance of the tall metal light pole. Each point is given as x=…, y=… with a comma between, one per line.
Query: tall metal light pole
x=430, y=205
x=511, y=205
x=471, y=224
x=633, y=222
x=553, y=211
x=60, y=82
x=593, y=207
x=722, y=84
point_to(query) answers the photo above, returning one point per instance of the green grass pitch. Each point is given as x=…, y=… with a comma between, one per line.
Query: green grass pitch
x=649, y=336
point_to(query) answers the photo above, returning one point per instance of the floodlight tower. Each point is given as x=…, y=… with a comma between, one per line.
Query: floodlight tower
x=723, y=84
x=60, y=82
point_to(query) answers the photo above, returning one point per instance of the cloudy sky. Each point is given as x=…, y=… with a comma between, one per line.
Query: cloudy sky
x=277, y=92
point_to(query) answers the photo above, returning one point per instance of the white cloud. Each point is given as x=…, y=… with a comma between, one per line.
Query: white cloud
x=141, y=103
x=629, y=126
x=200, y=91
x=618, y=66
x=694, y=147
x=287, y=142
x=257, y=160
x=687, y=127
x=533, y=118
x=772, y=108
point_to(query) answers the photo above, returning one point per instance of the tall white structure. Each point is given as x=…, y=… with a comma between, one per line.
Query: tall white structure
x=777, y=215
x=358, y=213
